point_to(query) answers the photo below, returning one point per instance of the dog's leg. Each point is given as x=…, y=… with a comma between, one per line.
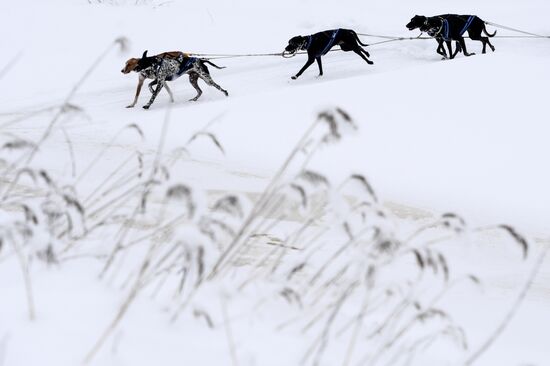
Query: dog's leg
x=449, y=44
x=318, y=59
x=366, y=54
x=440, y=48
x=360, y=53
x=457, y=50
x=138, y=90
x=208, y=80
x=463, y=46
x=151, y=84
x=484, y=41
x=489, y=43
x=169, y=92
x=477, y=37
x=310, y=60
x=193, y=79
x=161, y=83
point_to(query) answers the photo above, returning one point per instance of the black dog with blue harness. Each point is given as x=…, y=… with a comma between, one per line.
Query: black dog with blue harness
x=319, y=44
x=419, y=21
x=452, y=28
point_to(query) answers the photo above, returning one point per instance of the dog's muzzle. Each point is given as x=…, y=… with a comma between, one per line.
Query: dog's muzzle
x=289, y=54
x=292, y=49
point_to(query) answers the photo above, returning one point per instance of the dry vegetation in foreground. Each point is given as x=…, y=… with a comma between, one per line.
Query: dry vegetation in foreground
x=352, y=287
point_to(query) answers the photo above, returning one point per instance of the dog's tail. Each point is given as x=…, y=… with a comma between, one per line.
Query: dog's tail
x=213, y=64
x=487, y=33
x=357, y=39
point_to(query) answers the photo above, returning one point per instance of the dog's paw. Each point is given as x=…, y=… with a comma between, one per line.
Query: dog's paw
x=225, y=92
x=130, y=106
x=370, y=62
x=146, y=106
x=193, y=99
x=294, y=77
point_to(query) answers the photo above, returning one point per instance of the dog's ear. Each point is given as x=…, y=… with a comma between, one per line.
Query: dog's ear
x=144, y=54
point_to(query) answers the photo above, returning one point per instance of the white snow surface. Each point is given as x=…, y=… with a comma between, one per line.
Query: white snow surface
x=468, y=136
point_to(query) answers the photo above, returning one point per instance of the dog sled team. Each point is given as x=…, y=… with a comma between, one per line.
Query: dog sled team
x=169, y=66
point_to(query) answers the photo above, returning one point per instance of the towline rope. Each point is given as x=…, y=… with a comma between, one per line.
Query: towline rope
x=533, y=35
x=387, y=39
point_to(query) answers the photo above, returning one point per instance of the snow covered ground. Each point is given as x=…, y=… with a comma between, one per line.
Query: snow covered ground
x=468, y=136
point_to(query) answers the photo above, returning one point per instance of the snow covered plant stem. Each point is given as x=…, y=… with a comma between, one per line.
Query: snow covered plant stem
x=26, y=275
x=510, y=314
x=330, y=117
x=64, y=108
x=262, y=201
x=138, y=284
x=269, y=202
x=145, y=191
x=121, y=42
x=146, y=264
x=4, y=70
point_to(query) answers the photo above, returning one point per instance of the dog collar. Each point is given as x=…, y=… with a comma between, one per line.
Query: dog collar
x=443, y=30
x=305, y=45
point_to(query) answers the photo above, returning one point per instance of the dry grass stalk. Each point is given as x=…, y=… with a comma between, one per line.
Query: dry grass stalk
x=229, y=334
x=10, y=65
x=470, y=360
x=24, y=264
x=311, y=295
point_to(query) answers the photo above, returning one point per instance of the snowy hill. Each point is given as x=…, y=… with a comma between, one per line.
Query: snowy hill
x=467, y=136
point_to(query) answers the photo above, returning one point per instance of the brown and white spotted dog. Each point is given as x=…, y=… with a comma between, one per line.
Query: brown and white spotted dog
x=169, y=66
x=132, y=63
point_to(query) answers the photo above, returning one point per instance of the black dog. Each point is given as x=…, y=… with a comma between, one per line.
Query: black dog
x=419, y=20
x=162, y=69
x=454, y=26
x=319, y=44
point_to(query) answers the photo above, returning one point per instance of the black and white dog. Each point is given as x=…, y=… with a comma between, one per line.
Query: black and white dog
x=419, y=20
x=163, y=69
x=453, y=27
x=319, y=44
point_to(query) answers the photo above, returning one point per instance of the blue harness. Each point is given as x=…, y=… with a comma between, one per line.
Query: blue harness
x=186, y=66
x=330, y=43
x=327, y=47
x=467, y=25
x=445, y=28
x=309, y=39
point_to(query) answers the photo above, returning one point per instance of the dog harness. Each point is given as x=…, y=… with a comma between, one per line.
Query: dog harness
x=467, y=25
x=444, y=30
x=308, y=42
x=330, y=43
x=327, y=48
x=186, y=66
